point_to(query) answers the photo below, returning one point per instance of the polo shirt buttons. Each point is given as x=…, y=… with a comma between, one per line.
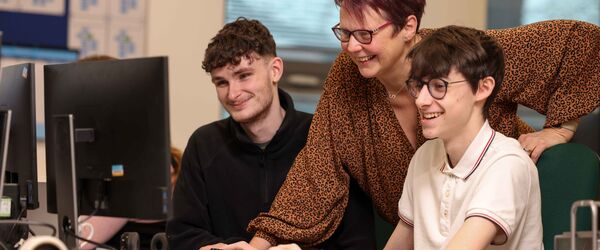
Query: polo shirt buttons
x=445, y=213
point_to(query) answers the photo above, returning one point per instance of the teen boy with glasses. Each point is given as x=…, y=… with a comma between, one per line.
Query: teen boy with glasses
x=469, y=187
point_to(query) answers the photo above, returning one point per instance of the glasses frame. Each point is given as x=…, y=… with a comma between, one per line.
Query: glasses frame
x=372, y=32
x=423, y=83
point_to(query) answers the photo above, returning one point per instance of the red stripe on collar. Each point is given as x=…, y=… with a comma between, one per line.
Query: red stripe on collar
x=485, y=149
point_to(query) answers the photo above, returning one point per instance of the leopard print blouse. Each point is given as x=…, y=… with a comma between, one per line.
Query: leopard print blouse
x=552, y=67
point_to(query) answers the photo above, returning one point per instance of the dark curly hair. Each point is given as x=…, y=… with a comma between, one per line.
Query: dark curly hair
x=236, y=40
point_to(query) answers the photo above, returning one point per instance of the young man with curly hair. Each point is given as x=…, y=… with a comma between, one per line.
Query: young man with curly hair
x=233, y=168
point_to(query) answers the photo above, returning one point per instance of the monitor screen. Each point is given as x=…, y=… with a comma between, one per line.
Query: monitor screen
x=121, y=135
x=17, y=93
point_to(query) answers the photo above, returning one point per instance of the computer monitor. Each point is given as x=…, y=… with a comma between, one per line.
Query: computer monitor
x=120, y=135
x=17, y=93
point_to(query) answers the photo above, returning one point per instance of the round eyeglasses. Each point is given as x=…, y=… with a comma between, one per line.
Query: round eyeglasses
x=362, y=36
x=437, y=87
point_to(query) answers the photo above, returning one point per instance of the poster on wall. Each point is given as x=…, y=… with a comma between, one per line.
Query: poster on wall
x=44, y=7
x=88, y=35
x=111, y=27
x=132, y=10
x=114, y=28
x=88, y=8
x=126, y=39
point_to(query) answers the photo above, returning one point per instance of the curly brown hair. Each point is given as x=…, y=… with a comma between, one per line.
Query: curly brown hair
x=238, y=39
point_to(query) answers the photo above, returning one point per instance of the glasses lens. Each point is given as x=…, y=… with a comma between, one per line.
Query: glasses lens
x=341, y=34
x=362, y=36
x=437, y=88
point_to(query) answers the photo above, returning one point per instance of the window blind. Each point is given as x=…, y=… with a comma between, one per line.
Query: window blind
x=294, y=24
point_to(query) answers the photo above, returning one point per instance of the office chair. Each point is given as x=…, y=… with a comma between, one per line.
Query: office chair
x=567, y=173
x=588, y=131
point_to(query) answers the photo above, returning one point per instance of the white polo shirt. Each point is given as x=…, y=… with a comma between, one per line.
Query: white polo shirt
x=495, y=179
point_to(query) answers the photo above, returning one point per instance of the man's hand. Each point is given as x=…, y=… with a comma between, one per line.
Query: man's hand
x=214, y=246
x=260, y=243
x=535, y=143
x=240, y=245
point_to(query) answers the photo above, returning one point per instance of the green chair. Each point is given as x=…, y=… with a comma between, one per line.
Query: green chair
x=567, y=172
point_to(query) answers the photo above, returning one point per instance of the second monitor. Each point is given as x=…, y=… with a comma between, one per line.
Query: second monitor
x=120, y=135
x=17, y=94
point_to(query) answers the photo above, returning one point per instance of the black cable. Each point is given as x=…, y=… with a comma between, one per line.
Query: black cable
x=18, y=218
x=31, y=232
x=3, y=246
x=70, y=232
x=32, y=223
x=97, y=203
x=89, y=216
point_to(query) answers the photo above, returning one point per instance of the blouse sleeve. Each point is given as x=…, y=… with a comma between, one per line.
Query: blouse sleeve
x=552, y=67
x=311, y=203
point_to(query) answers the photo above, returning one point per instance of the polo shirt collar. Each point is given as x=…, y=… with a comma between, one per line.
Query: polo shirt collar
x=473, y=155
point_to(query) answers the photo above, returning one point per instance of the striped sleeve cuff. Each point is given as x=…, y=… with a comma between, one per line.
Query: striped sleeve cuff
x=498, y=240
x=406, y=220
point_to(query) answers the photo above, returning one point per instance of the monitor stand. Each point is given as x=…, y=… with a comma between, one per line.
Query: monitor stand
x=5, y=116
x=66, y=183
x=10, y=206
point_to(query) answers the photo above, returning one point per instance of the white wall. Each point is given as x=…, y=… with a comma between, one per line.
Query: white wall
x=439, y=13
x=181, y=30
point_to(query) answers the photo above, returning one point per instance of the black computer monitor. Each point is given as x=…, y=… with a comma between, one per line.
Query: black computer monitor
x=17, y=93
x=120, y=116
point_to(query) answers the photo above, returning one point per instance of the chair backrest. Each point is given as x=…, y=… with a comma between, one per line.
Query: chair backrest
x=588, y=131
x=567, y=172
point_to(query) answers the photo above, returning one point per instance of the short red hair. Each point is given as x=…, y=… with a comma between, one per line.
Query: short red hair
x=395, y=11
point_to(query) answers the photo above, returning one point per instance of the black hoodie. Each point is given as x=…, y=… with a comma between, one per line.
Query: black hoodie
x=226, y=181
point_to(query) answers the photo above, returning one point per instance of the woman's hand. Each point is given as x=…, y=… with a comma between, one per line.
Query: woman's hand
x=535, y=143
